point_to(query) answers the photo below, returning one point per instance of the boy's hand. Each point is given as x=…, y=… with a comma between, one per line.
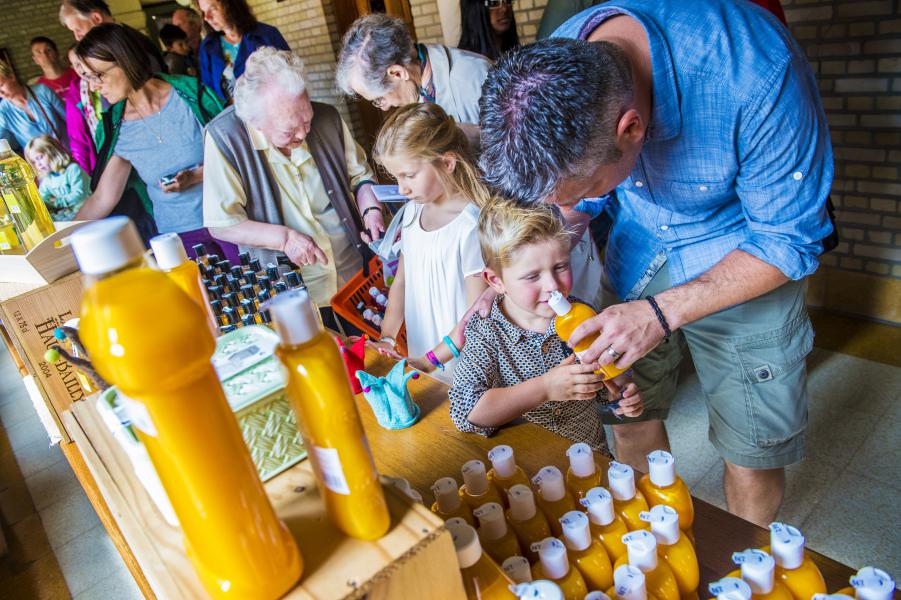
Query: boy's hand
x=627, y=397
x=572, y=381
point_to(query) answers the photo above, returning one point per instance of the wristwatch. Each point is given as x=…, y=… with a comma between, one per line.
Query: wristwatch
x=388, y=339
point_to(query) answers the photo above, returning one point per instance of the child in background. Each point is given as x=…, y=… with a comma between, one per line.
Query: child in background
x=64, y=185
x=439, y=274
x=513, y=364
x=177, y=56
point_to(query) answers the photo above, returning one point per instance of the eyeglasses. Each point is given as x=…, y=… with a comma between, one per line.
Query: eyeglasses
x=96, y=77
x=494, y=4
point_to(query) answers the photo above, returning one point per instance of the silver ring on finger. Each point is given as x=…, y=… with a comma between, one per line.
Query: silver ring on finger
x=613, y=352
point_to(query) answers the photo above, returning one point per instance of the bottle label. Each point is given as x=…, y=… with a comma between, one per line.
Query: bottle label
x=138, y=415
x=331, y=470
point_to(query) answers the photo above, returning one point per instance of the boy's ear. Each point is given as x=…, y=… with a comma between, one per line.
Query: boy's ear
x=494, y=280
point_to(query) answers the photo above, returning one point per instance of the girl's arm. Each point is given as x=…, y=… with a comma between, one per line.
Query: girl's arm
x=394, y=312
x=77, y=188
x=104, y=199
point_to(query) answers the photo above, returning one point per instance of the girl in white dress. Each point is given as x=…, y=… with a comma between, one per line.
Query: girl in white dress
x=439, y=274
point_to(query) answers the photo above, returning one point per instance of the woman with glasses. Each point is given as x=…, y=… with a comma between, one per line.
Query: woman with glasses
x=380, y=63
x=489, y=27
x=151, y=137
x=29, y=111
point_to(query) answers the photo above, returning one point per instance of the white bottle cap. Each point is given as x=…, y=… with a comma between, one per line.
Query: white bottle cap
x=786, y=545
x=552, y=554
x=558, y=303
x=730, y=588
x=597, y=596
x=447, y=494
x=871, y=583
x=541, y=589
x=295, y=317
x=662, y=468
x=4, y=145
x=522, y=502
x=168, y=251
x=629, y=583
x=503, y=461
x=550, y=483
x=757, y=568
x=517, y=569
x=642, y=549
x=475, y=478
x=599, y=503
x=581, y=460
x=466, y=542
x=492, y=523
x=622, y=481
x=576, y=534
x=106, y=245
x=664, y=522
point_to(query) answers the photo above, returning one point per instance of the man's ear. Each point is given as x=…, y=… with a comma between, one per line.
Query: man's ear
x=398, y=73
x=630, y=130
x=494, y=280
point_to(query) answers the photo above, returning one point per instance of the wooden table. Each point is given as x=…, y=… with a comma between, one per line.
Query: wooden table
x=431, y=449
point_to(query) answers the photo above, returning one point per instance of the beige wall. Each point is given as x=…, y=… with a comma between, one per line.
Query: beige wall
x=21, y=20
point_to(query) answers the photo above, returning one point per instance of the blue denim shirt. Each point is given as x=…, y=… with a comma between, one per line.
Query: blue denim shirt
x=737, y=153
x=212, y=59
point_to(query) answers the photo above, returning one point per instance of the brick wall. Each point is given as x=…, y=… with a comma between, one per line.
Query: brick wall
x=428, y=24
x=25, y=19
x=854, y=47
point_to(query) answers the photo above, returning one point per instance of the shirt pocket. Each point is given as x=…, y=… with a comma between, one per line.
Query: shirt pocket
x=699, y=197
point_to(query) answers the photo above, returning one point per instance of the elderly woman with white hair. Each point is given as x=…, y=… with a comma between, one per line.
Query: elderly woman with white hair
x=284, y=175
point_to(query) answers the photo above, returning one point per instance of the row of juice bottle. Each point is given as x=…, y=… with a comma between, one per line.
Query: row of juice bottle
x=24, y=218
x=160, y=362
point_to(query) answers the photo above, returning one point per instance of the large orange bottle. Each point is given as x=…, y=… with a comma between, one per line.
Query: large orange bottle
x=582, y=474
x=627, y=500
x=642, y=553
x=172, y=259
x=674, y=548
x=496, y=538
x=730, y=588
x=328, y=419
x=476, y=489
x=504, y=472
x=553, y=497
x=554, y=565
x=870, y=583
x=585, y=552
x=518, y=569
x=661, y=485
x=528, y=523
x=606, y=525
x=482, y=578
x=570, y=316
x=237, y=544
x=448, y=503
x=793, y=568
x=758, y=570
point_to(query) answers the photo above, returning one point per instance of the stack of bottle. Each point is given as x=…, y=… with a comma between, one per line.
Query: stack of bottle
x=373, y=308
x=571, y=531
x=237, y=293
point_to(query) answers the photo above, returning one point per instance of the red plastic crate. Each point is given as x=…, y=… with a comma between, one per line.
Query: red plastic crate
x=357, y=290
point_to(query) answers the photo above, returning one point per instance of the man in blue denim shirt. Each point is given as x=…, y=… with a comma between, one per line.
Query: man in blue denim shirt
x=704, y=115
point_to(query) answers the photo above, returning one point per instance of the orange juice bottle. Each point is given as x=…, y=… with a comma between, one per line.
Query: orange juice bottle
x=585, y=552
x=328, y=419
x=570, y=316
x=642, y=553
x=553, y=497
x=582, y=474
x=518, y=569
x=447, y=501
x=504, y=472
x=554, y=565
x=476, y=489
x=674, y=548
x=235, y=541
x=607, y=526
x=628, y=502
x=497, y=540
x=661, y=485
x=629, y=583
x=541, y=589
x=730, y=588
x=528, y=523
x=172, y=259
x=793, y=568
x=870, y=583
x=482, y=578
x=758, y=570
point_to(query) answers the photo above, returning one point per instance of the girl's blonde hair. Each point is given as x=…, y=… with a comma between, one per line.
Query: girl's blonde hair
x=56, y=155
x=506, y=227
x=426, y=132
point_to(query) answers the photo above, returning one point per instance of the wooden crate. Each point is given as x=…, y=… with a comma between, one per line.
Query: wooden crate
x=415, y=560
x=30, y=313
x=45, y=263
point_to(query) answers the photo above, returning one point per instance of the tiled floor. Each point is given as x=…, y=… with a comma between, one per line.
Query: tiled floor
x=842, y=496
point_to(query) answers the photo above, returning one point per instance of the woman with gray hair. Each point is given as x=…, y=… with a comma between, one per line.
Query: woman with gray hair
x=380, y=63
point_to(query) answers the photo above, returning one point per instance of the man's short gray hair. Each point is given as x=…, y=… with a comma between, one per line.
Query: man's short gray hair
x=266, y=68
x=371, y=45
